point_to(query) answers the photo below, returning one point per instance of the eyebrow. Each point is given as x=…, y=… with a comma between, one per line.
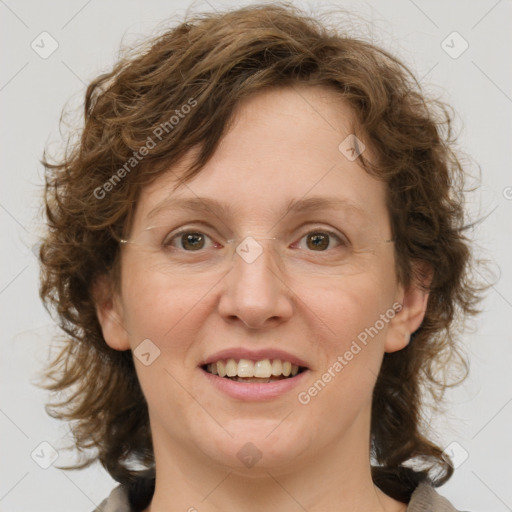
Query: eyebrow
x=209, y=205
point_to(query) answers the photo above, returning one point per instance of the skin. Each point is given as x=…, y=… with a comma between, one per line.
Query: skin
x=315, y=457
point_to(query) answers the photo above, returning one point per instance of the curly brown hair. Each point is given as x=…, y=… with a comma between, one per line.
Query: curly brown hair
x=214, y=61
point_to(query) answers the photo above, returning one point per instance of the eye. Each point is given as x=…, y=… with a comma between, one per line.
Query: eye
x=320, y=241
x=189, y=241
x=195, y=241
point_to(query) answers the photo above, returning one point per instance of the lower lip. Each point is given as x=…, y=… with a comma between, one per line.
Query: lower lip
x=253, y=390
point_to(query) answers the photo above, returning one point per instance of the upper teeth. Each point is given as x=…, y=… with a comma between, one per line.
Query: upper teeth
x=247, y=368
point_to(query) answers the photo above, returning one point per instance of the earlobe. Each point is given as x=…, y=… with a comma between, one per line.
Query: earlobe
x=110, y=315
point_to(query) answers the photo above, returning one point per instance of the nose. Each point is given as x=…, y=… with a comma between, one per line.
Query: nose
x=255, y=291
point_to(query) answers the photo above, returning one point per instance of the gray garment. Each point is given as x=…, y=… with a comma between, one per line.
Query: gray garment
x=424, y=499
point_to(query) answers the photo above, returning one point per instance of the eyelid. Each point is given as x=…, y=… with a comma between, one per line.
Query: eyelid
x=200, y=226
x=174, y=234
x=340, y=235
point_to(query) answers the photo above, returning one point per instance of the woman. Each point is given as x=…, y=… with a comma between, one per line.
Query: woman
x=256, y=252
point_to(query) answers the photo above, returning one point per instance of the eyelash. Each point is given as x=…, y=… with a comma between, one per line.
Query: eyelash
x=167, y=242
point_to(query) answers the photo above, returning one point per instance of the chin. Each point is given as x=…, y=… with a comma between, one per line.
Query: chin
x=256, y=446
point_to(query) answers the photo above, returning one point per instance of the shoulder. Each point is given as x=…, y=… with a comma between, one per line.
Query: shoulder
x=425, y=499
x=117, y=501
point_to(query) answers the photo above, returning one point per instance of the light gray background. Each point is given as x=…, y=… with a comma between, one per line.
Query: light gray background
x=33, y=91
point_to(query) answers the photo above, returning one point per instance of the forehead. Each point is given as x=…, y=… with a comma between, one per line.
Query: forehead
x=282, y=150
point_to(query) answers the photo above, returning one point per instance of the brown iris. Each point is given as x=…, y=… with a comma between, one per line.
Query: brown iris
x=319, y=240
x=196, y=240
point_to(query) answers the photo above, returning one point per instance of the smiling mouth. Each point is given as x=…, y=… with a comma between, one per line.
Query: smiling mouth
x=245, y=370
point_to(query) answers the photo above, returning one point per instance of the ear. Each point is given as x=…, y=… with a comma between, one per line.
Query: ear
x=110, y=314
x=413, y=301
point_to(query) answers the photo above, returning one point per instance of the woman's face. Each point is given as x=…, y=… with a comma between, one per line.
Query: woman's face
x=328, y=306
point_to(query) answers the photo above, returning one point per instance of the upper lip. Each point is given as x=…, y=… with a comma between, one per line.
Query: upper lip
x=254, y=355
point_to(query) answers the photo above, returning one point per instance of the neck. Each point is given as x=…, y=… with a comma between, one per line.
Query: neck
x=338, y=478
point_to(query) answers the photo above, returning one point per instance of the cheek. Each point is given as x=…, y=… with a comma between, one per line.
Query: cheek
x=164, y=310
x=351, y=333
x=348, y=307
x=155, y=303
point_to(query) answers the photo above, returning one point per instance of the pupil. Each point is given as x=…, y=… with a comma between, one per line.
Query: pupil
x=319, y=240
x=191, y=238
